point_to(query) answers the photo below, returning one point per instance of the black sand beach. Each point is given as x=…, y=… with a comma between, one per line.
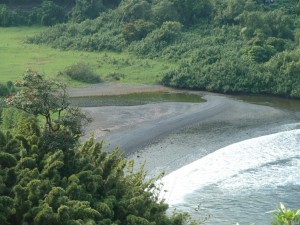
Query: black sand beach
x=163, y=134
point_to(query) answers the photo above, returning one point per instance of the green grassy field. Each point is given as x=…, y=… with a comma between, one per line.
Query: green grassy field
x=17, y=56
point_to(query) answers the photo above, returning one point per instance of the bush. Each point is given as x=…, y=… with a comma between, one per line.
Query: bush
x=51, y=13
x=78, y=185
x=102, y=33
x=158, y=39
x=137, y=30
x=86, y=9
x=131, y=10
x=4, y=15
x=164, y=10
x=83, y=73
x=261, y=53
x=4, y=91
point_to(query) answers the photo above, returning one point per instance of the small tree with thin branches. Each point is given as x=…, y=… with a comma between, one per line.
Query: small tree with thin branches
x=48, y=98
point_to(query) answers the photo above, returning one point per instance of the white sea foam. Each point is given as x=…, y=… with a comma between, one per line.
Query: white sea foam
x=248, y=164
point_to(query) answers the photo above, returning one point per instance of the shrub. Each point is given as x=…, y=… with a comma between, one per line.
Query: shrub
x=78, y=185
x=261, y=53
x=165, y=10
x=131, y=10
x=137, y=30
x=158, y=39
x=86, y=9
x=82, y=72
x=51, y=13
x=4, y=90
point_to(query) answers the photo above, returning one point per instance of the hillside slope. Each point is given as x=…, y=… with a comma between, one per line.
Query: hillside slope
x=226, y=46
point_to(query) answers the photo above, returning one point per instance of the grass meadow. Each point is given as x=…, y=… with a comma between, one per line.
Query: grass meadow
x=16, y=56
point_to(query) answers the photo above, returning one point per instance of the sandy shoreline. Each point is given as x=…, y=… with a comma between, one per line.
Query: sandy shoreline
x=164, y=134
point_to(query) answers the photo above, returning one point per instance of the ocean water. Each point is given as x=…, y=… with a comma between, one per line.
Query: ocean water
x=240, y=182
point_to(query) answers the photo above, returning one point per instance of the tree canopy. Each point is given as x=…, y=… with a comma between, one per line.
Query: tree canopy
x=84, y=185
x=48, y=98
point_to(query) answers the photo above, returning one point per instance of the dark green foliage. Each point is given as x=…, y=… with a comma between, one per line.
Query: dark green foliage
x=82, y=185
x=164, y=10
x=271, y=24
x=261, y=53
x=285, y=68
x=7, y=160
x=82, y=72
x=50, y=13
x=137, y=30
x=5, y=19
x=131, y=10
x=224, y=46
x=6, y=89
x=158, y=39
x=17, y=121
x=46, y=13
x=86, y=9
x=28, y=12
x=191, y=11
x=103, y=33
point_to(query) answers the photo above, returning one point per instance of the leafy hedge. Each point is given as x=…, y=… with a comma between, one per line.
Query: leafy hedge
x=82, y=185
x=81, y=72
x=50, y=12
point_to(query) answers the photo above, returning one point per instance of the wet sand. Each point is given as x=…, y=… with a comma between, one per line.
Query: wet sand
x=169, y=135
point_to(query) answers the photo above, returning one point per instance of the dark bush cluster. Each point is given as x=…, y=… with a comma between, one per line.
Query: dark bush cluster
x=50, y=12
x=82, y=72
x=76, y=186
x=6, y=89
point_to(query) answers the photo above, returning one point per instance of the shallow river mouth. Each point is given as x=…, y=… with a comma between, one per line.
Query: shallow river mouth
x=227, y=158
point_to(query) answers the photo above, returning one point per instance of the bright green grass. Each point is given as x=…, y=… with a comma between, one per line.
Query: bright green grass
x=16, y=57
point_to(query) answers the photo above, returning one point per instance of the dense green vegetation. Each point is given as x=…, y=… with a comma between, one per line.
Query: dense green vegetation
x=50, y=12
x=224, y=46
x=81, y=185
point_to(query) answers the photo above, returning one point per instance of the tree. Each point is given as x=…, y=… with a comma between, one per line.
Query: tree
x=190, y=11
x=86, y=9
x=131, y=10
x=83, y=185
x=51, y=13
x=48, y=98
x=137, y=30
x=165, y=10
